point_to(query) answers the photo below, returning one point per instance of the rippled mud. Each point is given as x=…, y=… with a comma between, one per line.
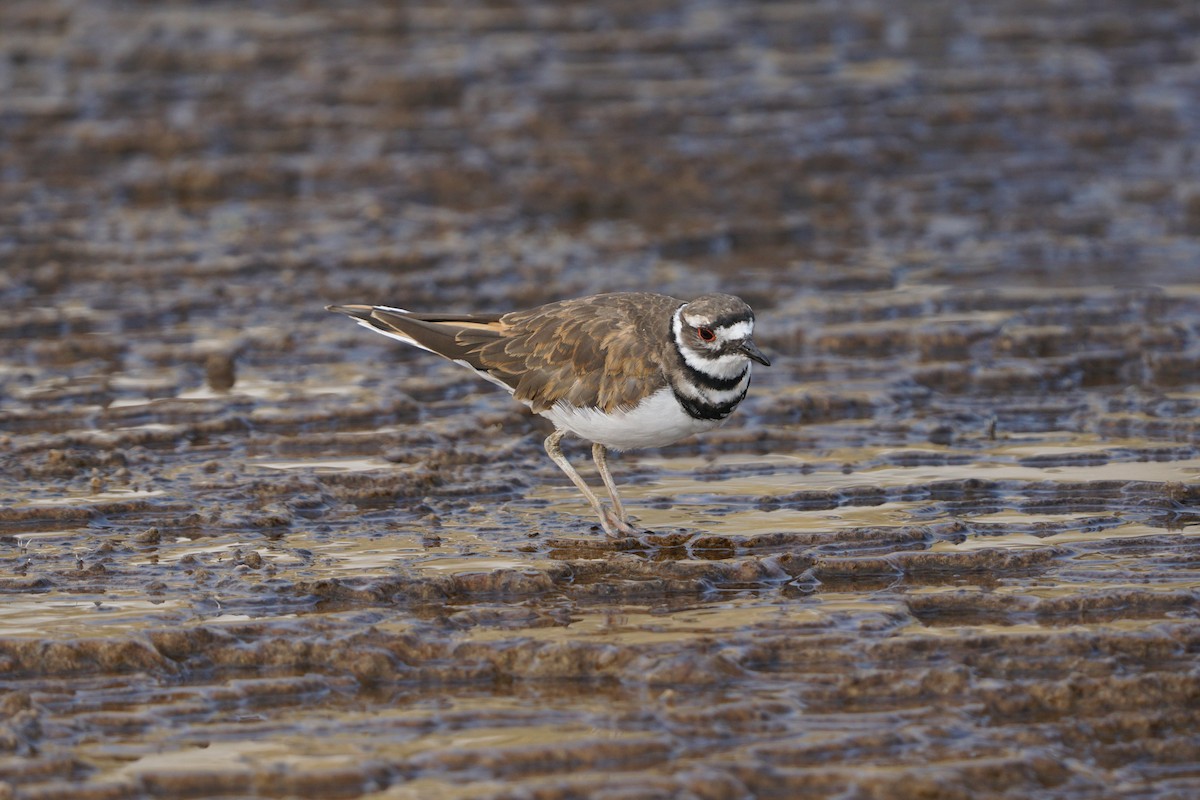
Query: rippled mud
x=947, y=548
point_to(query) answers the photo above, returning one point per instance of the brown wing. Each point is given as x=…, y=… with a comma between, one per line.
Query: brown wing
x=602, y=351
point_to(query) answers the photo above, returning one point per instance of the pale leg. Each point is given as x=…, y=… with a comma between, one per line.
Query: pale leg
x=612, y=526
x=600, y=456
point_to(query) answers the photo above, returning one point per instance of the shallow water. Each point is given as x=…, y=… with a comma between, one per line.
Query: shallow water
x=948, y=547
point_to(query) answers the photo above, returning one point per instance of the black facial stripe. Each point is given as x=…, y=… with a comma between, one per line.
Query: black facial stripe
x=708, y=381
x=732, y=319
x=721, y=323
x=698, y=409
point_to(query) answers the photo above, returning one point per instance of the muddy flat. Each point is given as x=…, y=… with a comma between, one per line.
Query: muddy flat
x=948, y=547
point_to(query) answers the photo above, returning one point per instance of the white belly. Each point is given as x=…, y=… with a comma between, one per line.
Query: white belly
x=656, y=421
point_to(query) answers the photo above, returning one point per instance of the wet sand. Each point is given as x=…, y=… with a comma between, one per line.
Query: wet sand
x=947, y=548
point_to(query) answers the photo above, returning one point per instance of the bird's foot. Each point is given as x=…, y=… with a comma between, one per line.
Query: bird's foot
x=617, y=527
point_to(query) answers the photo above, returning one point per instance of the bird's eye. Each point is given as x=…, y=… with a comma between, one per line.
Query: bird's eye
x=706, y=334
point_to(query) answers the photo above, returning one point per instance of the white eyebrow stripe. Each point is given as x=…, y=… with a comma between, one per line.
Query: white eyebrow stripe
x=738, y=330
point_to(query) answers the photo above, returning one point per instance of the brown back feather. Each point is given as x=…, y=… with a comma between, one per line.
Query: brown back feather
x=593, y=351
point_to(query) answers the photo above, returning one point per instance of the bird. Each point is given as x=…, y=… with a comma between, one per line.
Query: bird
x=622, y=370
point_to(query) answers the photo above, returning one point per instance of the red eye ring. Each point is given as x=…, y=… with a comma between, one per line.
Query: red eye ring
x=706, y=334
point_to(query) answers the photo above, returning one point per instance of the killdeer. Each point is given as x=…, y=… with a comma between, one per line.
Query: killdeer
x=622, y=371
